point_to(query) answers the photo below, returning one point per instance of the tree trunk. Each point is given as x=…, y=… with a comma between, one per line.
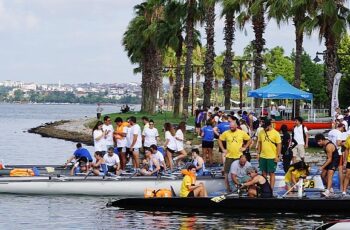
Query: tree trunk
x=178, y=81
x=216, y=88
x=198, y=78
x=189, y=54
x=209, y=55
x=227, y=64
x=331, y=64
x=258, y=43
x=170, y=102
x=297, y=64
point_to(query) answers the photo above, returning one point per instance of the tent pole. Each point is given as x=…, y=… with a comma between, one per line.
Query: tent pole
x=262, y=107
x=312, y=110
x=294, y=109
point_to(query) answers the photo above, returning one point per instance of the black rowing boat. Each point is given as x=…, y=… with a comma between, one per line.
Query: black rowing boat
x=241, y=204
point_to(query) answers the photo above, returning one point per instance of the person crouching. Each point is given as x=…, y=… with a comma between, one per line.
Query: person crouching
x=189, y=187
x=151, y=164
x=258, y=186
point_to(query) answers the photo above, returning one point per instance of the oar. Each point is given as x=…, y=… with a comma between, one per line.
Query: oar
x=218, y=199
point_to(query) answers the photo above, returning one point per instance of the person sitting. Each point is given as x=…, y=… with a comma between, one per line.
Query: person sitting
x=80, y=153
x=189, y=187
x=296, y=171
x=159, y=156
x=198, y=162
x=151, y=164
x=112, y=161
x=79, y=167
x=237, y=174
x=258, y=186
x=100, y=167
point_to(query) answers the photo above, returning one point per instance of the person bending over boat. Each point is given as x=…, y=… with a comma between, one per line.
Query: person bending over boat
x=189, y=187
x=331, y=164
x=238, y=174
x=99, y=168
x=151, y=164
x=159, y=156
x=258, y=186
x=80, y=154
x=198, y=162
x=112, y=161
x=80, y=167
x=296, y=171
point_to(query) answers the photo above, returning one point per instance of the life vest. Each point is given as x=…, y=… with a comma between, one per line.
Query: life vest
x=120, y=130
x=163, y=192
x=22, y=172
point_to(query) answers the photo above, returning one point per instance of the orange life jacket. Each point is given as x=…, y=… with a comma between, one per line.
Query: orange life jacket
x=119, y=130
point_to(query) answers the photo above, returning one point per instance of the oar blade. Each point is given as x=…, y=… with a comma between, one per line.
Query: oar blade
x=218, y=199
x=50, y=169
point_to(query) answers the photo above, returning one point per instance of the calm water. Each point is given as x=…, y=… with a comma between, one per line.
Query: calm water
x=74, y=212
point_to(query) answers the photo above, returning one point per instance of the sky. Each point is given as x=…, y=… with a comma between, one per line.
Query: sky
x=80, y=41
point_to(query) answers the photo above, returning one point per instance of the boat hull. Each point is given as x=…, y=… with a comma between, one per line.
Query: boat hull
x=241, y=205
x=310, y=125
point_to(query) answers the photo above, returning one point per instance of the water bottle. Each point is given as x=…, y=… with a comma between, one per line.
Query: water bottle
x=300, y=187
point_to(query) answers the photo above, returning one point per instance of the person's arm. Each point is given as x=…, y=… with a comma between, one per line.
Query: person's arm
x=329, y=150
x=234, y=178
x=255, y=180
x=200, y=164
x=293, y=178
x=216, y=131
x=306, y=138
x=244, y=148
x=278, y=154
x=221, y=146
x=346, y=153
x=69, y=160
x=134, y=139
x=99, y=137
x=155, y=163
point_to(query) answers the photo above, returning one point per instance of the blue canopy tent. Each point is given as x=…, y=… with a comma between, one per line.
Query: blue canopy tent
x=280, y=89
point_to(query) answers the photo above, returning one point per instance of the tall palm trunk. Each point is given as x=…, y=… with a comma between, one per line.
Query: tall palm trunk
x=229, y=30
x=298, y=52
x=216, y=92
x=178, y=81
x=259, y=42
x=331, y=63
x=189, y=44
x=209, y=55
x=198, y=78
x=170, y=94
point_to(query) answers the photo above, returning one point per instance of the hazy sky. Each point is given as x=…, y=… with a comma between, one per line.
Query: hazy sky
x=75, y=41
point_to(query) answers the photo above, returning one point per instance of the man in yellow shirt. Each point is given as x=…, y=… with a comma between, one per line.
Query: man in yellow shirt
x=269, y=151
x=234, y=147
x=347, y=157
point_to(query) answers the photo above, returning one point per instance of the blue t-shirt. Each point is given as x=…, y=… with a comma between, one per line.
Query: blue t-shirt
x=208, y=133
x=82, y=152
x=223, y=126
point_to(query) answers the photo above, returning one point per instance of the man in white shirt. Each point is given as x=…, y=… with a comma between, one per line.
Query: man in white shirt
x=238, y=174
x=108, y=128
x=134, y=141
x=158, y=155
x=112, y=161
x=301, y=137
x=341, y=120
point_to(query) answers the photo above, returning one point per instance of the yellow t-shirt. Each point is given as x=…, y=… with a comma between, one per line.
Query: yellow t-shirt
x=268, y=148
x=184, y=191
x=234, y=141
x=347, y=145
x=296, y=173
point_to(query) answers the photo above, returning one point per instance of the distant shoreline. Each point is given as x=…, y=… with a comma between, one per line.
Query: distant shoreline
x=69, y=130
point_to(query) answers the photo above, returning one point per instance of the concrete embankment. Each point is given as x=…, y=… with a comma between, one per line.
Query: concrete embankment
x=69, y=130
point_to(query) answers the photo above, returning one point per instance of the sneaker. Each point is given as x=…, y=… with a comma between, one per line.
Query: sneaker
x=343, y=193
x=331, y=190
x=326, y=193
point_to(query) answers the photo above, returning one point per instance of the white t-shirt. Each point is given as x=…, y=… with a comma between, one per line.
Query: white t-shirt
x=111, y=160
x=144, y=128
x=121, y=143
x=335, y=135
x=150, y=136
x=100, y=145
x=132, y=130
x=346, y=125
x=159, y=156
x=172, y=142
x=298, y=134
x=109, y=136
x=179, y=144
x=238, y=170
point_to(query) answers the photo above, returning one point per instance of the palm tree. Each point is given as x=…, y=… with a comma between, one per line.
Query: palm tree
x=218, y=75
x=169, y=60
x=198, y=60
x=140, y=43
x=209, y=6
x=254, y=10
x=298, y=10
x=331, y=19
x=229, y=8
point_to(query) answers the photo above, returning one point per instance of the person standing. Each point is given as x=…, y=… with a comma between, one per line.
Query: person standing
x=99, y=110
x=99, y=138
x=134, y=141
x=150, y=135
x=331, y=164
x=208, y=142
x=108, y=128
x=180, y=138
x=347, y=165
x=269, y=151
x=286, y=151
x=120, y=137
x=301, y=137
x=170, y=143
x=234, y=139
x=220, y=129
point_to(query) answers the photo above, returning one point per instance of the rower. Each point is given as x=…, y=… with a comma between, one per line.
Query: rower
x=112, y=161
x=198, y=162
x=189, y=187
x=100, y=167
x=237, y=174
x=80, y=153
x=331, y=164
x=258, y=186
x=80, y=167
x=295, y=171
x=151, y=164
x=159, y=156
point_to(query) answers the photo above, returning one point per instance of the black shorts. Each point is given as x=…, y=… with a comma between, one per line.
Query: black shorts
x=111, y=169
x=197, y=125
x=128, y=152
x=224, y=144
x=208, y=144
x=191, y=194
x=120, y=149
x=333, y=165
x=347, y=165
x=170, y=150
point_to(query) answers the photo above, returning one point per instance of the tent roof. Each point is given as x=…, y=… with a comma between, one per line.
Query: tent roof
x=280, y=89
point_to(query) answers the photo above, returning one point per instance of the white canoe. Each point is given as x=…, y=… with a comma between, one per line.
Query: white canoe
x=111, y=186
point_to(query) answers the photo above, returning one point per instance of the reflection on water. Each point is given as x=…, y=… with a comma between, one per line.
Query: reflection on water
x=83, y=212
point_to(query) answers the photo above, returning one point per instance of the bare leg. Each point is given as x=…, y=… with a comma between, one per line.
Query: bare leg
x=346, y=180
x=182, y=155
x=210, y=154
x=227, y=183
x=272, y=180
x=330, y=174
x=135, y=157
x=341, y=176
x=169, y=158
x=122, y=160
x=324, y=177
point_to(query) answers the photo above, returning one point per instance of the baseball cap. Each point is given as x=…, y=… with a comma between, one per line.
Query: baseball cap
x=340, y=117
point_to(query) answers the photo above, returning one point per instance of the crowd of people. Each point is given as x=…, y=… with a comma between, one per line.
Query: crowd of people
x=236, y=133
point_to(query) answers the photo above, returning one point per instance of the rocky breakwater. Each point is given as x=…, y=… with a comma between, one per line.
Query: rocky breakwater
x=69, y=130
